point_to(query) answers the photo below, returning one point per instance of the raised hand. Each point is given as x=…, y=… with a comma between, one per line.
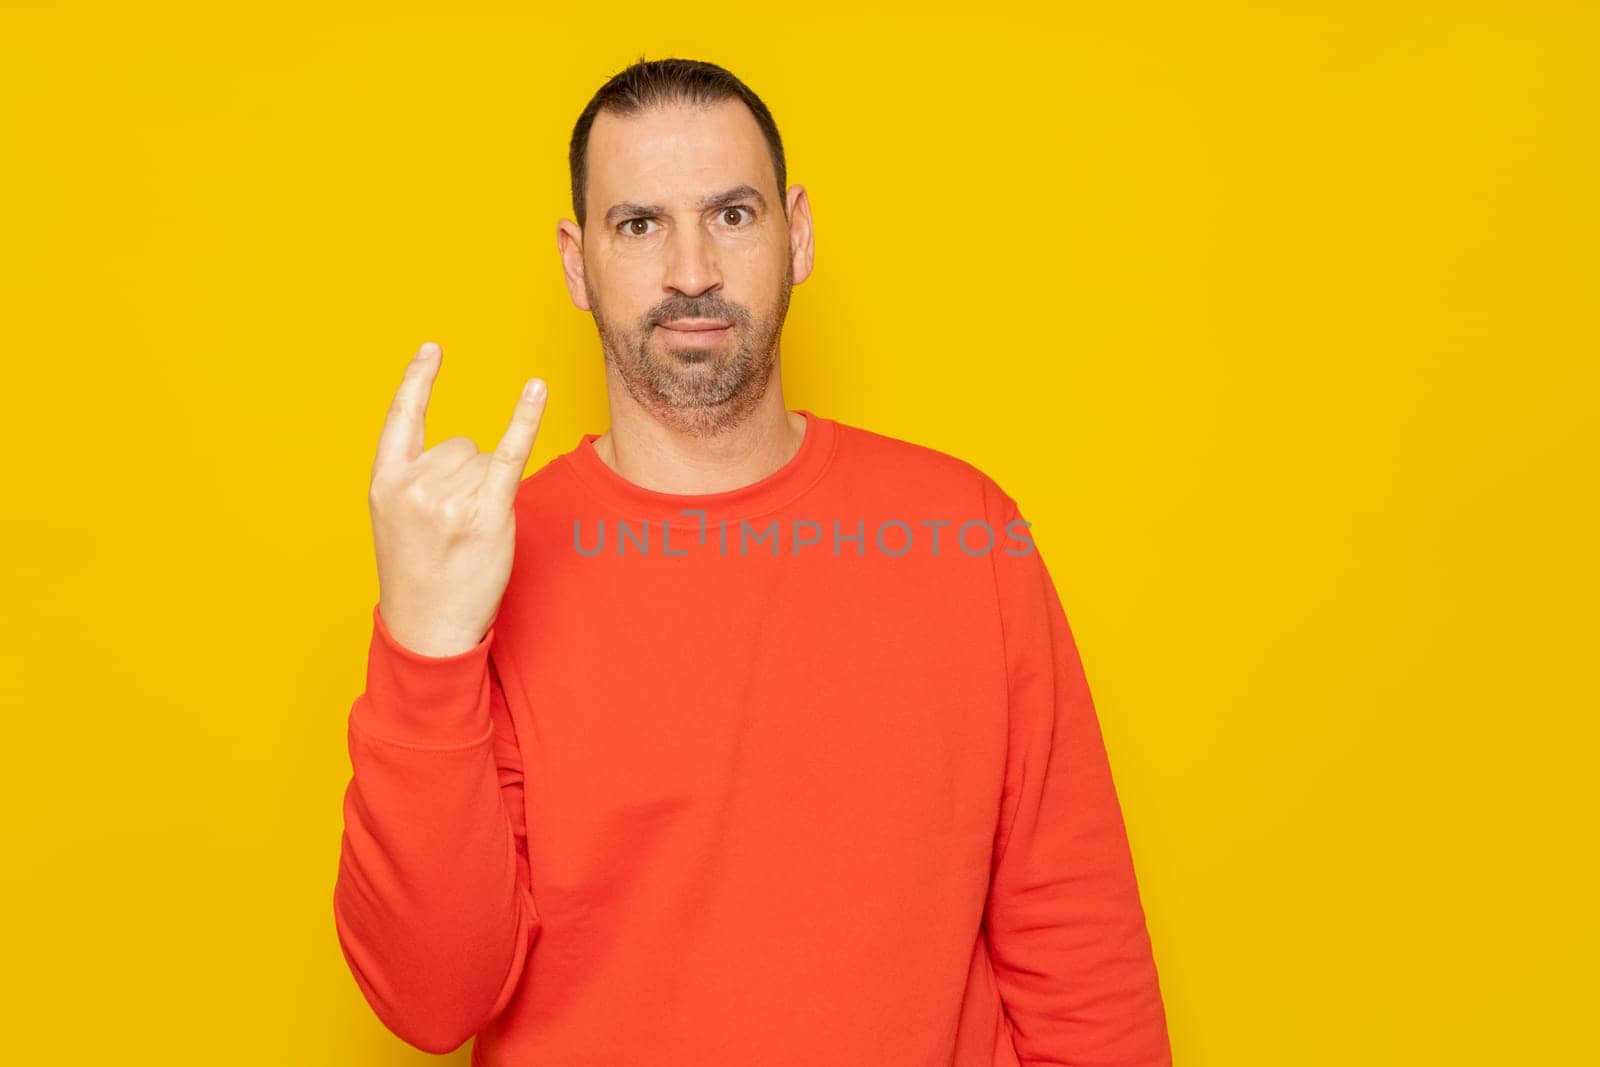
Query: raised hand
x=443, y=521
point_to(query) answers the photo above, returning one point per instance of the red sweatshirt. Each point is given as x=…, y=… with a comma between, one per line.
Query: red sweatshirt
x=808, y=775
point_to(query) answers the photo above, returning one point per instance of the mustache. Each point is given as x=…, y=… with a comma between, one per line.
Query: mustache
x=703, y=309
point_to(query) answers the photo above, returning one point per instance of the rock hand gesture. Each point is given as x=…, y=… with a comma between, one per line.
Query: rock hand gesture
x=443, y=520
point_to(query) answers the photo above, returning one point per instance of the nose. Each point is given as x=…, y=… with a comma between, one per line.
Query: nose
x=691, y=267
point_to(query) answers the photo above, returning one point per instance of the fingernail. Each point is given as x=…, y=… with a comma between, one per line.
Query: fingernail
x=533, y=390
x=428, y=349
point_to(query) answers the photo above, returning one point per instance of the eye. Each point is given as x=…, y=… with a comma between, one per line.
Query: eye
x=740, y=207
x=626, y=226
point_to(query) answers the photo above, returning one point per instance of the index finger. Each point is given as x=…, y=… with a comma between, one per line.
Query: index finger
x=402, y=438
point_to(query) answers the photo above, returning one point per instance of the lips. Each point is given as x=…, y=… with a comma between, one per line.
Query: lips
x=695, y=325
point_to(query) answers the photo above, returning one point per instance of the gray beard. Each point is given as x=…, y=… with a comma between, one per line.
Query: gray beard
x=697, y=392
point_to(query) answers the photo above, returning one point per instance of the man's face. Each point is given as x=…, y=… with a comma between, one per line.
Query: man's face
x=686, y=227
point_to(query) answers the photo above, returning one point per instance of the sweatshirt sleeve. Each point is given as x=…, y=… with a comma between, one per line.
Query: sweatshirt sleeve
x=432, y=904
x=1065, y=926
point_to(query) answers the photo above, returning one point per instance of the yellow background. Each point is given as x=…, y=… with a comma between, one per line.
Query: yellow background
x=1279, y=321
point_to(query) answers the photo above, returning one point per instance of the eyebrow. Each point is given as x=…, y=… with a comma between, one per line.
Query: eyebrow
x=722, y=199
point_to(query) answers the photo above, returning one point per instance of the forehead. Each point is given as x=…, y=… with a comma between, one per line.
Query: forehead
x=675, y=153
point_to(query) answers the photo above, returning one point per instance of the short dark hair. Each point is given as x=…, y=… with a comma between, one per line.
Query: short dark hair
x=661, y=82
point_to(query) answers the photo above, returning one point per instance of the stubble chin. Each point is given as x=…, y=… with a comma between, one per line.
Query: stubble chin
x=703, y=398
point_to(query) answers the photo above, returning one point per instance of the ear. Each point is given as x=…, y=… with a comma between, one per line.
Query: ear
x=802, y=247
x=569, y=240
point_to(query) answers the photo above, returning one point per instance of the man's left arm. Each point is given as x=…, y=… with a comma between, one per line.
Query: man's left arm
x=1065, y=926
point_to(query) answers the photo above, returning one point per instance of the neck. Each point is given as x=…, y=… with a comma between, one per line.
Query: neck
x=653, y=453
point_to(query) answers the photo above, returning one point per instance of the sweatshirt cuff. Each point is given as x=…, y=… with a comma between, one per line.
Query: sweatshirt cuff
x=425, y=700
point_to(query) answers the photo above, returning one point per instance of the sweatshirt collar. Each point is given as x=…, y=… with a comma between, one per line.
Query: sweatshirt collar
x=760, y=497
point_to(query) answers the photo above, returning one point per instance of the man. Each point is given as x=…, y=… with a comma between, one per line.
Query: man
x=734, y=735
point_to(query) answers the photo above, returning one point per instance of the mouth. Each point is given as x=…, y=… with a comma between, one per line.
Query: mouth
x=695, y=325
x=695, y=331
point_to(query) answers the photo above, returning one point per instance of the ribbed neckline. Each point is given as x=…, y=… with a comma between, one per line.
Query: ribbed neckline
x=760, y=497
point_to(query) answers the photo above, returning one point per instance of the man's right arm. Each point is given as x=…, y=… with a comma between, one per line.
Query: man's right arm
x=433, y=905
